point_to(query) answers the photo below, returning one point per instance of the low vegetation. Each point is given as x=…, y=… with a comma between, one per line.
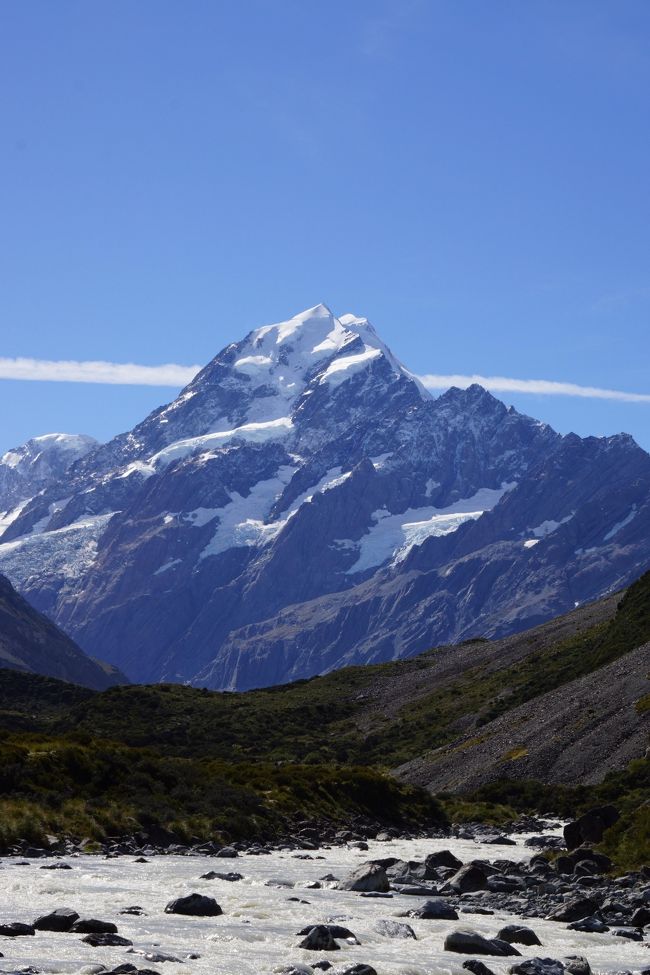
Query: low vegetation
x=208, y=763
x=99, y=788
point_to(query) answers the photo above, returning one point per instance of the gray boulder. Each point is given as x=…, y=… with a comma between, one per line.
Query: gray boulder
x=394, y=929
x=367, y=877
x=574, y=910
x=590, y=925
x=641, y=917
x=468, y=879
x=443, y=858
x=589, y=828
x=231, y=876
x=435, y=910
x=336, y=931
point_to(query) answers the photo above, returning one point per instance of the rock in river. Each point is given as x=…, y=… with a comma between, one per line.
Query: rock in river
x=194, y=904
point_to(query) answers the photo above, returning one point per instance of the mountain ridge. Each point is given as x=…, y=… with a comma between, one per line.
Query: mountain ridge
x=304, y=503
x=31, y=643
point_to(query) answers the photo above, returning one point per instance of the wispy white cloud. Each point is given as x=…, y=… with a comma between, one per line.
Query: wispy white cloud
x=544, y=387
x=173, y=374
x=112, y=373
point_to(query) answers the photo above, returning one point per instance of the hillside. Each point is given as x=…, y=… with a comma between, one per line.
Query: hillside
x=382, y=714
x=30, y=642
x=204, y=762
x=572, y=734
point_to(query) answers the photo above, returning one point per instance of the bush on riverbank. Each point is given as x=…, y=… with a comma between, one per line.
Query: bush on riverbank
x=102, y=788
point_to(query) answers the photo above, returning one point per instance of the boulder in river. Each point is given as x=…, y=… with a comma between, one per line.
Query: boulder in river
x=576, y=965
x=538, y=966
x=231, y=876
x=359, y=969
x=336, y=930
x=518, y=934
x=106, y=940
x=468, y=879
x=443, y=858
x=394, y=929
x=91, y=925
x=573, y=910
x=589, y=827
x=61, y=919
x=473, y=943
x=367, y=877
x=195, y=905
x=16, y=929
x=476, y=967
x=435, y=910
x=590, y=925
x=319, y=938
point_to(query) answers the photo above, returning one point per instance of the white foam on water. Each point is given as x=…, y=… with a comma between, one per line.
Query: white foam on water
x=258, y=930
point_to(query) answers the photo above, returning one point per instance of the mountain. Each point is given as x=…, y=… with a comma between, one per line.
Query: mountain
x=25, y=470
x=304, y=504
x=29, y=642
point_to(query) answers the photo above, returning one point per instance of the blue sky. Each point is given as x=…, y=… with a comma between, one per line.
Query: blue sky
x=473, y=177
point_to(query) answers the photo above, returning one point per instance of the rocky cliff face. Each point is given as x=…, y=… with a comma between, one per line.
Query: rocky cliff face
x=304, y=503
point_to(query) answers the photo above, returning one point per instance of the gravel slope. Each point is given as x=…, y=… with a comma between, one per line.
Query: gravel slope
x=575, y=734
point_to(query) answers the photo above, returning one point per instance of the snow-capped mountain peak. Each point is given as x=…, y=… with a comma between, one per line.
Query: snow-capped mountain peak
x=25, y=470
x=287, y=353
x=304, y=503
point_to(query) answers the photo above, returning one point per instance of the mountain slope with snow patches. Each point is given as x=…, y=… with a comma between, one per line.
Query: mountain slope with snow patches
x=305, y=503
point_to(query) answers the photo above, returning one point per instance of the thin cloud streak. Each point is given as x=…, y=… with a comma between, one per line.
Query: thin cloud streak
x=111, y=373
x=173, y=374
x=543, y=387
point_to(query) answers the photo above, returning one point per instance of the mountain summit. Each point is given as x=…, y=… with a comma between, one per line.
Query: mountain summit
x=305, y=503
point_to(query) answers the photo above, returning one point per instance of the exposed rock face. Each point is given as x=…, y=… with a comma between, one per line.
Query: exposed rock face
x=304, y=504
x=31, y=642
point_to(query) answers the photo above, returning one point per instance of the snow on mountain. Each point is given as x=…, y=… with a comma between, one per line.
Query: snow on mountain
x=304, y=503
x=391, y=537
x=27, y=469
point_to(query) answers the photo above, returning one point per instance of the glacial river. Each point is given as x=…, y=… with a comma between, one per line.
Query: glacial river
x=257, y=933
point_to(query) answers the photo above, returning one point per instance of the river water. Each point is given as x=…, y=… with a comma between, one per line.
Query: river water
x=257, y=933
